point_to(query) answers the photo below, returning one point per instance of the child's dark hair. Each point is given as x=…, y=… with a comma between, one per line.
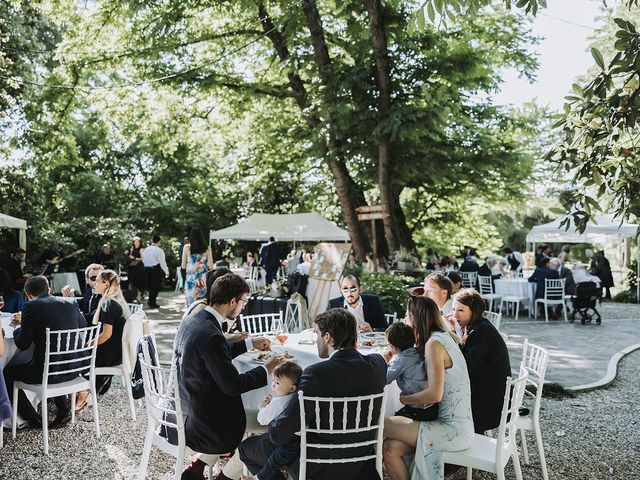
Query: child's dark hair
x=289, y=370
x=401, y=336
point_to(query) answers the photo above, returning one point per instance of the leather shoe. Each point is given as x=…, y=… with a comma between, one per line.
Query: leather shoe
x=195, y=470
x=36, y=423
x=60, y=420
x=155, y=305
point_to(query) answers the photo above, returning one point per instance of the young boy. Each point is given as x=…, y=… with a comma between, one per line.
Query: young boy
x=286, y=377
x=408, y=370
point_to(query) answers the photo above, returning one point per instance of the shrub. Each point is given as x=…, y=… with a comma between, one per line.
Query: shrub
x=392, y=291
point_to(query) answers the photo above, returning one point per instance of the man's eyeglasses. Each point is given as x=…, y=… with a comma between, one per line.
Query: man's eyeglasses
x=93, y=278
x=349, y=289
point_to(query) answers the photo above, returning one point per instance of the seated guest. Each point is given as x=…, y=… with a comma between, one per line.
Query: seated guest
x=540, y=274
x=286, y=378
x=41, y=311
x=566, y=273
x=456, y=281
x=515, y=259
x=487, y=269
x=210, y=385
x=14, y=267
x=5, y=404
x=448, y=384
x=453, y=262
x=337, y=336
x=407, y=368
x=487, y=359
x=470, y=264
x=223, y=262
x=112, y=313
x=13, y=300
x=90, y=298
x=438, y=287
x=366, y=308
x=251, y=261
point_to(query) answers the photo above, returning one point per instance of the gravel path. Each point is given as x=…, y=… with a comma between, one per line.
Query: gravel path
x=593, y=436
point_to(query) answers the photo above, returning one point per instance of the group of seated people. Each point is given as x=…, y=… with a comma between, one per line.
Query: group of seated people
x=449, y=362
x=102, y=303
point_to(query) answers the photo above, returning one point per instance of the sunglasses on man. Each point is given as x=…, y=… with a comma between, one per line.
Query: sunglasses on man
x=93, y=278
x=349, y=289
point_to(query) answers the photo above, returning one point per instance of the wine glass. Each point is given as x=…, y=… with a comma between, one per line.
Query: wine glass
x=282, y=334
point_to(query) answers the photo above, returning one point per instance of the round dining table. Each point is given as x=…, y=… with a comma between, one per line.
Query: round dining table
x=303, y=348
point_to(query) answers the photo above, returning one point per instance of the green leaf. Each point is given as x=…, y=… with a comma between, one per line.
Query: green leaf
x=597, y=56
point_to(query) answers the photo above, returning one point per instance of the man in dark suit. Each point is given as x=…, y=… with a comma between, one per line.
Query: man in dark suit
x=88, y=303
x=42, y=311
x=367, y=309
x=210, y=386
x=270, y=259
x=366, y=374
x=540, y=274
x=485, y=270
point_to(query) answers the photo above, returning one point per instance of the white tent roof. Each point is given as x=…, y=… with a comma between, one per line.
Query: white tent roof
x=7, y=221
x=290, y=227
x=606, y=227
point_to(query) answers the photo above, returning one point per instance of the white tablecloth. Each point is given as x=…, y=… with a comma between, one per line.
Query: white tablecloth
x=305, y=355
x=517, y=287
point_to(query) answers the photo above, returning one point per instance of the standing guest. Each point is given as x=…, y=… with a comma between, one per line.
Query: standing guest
x=183, y=271
x=154, y=265
x=367, y=309
x=210, y=386
x=487, y=359
x=601, y=268
x=438, y=287
x=135, y=268
x=41, y=311
x=540, y=274
x=197, y=261
x=271, y=256
x=564, y=253
x=448, y=384
x=304, y=266
x=105, y=257
x=456, y=281
x=90, y=298
x=112, y=313
x=12, y=300
x=337, y=334
x=515, y=259
x=539, y=255
x=14, y=267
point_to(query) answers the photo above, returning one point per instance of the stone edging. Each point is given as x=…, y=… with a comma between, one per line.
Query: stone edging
x=612, y=371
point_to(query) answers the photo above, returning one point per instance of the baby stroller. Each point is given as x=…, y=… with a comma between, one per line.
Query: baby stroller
x=584, y=302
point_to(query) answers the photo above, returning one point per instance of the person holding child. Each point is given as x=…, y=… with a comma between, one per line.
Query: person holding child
x=448, y=384
x=408, y=370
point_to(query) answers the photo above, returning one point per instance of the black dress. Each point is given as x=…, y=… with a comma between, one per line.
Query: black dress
x=136, y=270
x=109, y=353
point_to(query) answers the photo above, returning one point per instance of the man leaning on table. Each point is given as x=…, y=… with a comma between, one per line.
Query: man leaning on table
x=367, y=309
x=210, y=385
x=345, y=373
x=42, y=311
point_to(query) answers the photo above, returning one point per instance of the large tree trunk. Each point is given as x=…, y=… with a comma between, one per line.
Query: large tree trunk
x=385, y=166
x=345, y=185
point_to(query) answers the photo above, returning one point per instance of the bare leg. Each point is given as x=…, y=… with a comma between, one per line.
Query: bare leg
x=401, y=435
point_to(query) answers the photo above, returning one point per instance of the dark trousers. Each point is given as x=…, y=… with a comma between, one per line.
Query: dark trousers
x=272, y=273
x=154, y=280
x=264, y=458
x=31, y=374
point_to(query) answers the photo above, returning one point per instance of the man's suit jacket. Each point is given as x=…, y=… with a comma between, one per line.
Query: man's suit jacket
x=366, y=374
x=569, y=282
x=485, y=271
x=271, y=255
x=44, y=312
x=469, y=266
x=210, y=385
x=88, y=304
x=539, y=276
x=371, y=307
x=488, y=365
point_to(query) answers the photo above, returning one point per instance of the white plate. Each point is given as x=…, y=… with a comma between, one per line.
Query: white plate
x=375, y=335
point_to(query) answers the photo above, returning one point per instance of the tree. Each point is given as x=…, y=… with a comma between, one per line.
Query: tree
x=600, y=134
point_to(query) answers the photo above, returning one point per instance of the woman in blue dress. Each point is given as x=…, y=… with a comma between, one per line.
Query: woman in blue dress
x=197, y=261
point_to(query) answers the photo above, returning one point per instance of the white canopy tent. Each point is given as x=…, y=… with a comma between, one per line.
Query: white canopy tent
x=605, y=228
x=294, y=227
x=7, y=221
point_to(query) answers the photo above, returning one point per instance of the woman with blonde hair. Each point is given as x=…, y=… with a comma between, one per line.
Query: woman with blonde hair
x=112, y=314
x=448, y=384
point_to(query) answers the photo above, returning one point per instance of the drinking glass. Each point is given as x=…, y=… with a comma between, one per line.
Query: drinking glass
x=282, y=334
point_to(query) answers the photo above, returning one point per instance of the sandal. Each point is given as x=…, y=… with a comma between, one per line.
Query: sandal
x=81, y=402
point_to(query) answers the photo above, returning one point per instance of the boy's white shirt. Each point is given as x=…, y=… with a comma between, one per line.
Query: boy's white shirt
x=273, y=410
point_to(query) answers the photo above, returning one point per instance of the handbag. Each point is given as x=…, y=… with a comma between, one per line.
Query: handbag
x=420, y=414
